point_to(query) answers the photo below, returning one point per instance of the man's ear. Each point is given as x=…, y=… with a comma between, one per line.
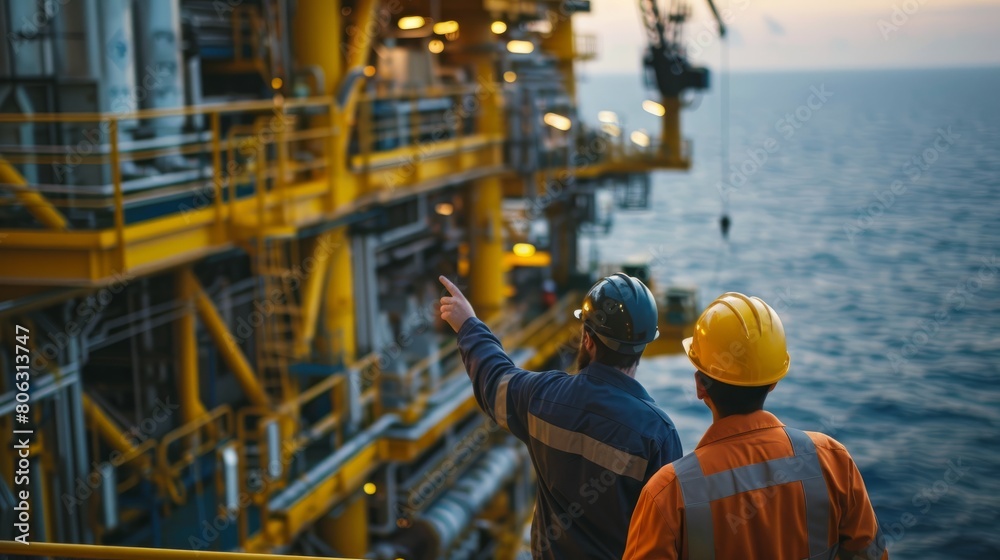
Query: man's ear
x=588, y=342
x=700, y=387
x=771, y=388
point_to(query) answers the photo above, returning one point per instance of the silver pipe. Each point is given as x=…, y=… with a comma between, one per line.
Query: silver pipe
x=65, y=446
x=41, y=389
x=389, y=525
x=109, y=495
x=434, y=417
x=80, y=443
x=454, y=511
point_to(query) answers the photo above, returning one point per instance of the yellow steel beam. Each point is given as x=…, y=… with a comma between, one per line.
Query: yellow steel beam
x=405, y=451
x=346, y=531
x=316, y=34
x=312, y=292
x=227, y=108
x=486, y=289
x=101, y=552
x=33, y=201
x=365, y=19
x=90, y=258
x=539, y=259
x=324, y=495
x=561, y=43
x=339, y=300
x=224, y=341
x=111, y=432
x=670, y=133
x=186, y=337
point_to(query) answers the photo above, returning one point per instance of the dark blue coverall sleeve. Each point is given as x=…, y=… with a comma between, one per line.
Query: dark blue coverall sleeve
x=501, y=388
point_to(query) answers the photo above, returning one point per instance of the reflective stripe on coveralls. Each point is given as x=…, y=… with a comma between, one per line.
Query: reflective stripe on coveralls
x=500, y=405
x=699, y=491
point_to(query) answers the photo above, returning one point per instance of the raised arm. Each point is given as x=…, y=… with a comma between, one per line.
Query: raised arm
x=501, y=388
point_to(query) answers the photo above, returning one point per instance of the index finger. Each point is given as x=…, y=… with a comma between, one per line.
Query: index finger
x=452, y=289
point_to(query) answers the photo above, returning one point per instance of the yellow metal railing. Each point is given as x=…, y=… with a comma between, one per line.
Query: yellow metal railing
x=585, y=46
x=58, y=550
x=241, y=146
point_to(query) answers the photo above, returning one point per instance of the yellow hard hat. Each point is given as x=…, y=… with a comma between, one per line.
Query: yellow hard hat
x=739, y=340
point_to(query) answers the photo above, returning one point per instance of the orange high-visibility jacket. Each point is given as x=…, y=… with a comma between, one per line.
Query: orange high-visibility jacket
x=756, y=489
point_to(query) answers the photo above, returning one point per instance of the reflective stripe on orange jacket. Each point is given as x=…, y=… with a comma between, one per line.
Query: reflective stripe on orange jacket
x=755, y=489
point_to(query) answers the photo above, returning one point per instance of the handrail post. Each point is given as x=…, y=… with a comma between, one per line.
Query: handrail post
x=116, y=179
x=415, y=138
x=365, y=141
x=282, y=153
x=459, y=126
x=261, y=170
x=332, y=154
x=217, y=172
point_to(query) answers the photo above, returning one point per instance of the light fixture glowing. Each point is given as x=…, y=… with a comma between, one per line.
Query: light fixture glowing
x=520, y=47
x=555, y=120
x=524, y=250
x=653, y=108
x=445, y=27
x=640, y=138
x=410, y=22
x=369, y=71
x=510, y=76
x=607, y=117
x=369, y=488
x=498, y=27
x=435, y=46
x=444, y=208
x=276, y=83
x=611, y=129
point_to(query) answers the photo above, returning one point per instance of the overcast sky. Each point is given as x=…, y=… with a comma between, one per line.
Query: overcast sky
x=811, y=34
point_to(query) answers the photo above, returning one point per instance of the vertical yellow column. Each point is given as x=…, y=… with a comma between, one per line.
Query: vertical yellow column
x=347, y=533
x=185, y=339
x=316, y=36
x=561, y=43
x=486, y=232
x=670, y=136
x=339, y=303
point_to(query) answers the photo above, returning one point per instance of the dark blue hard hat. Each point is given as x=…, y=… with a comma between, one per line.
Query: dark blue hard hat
x=621, y=311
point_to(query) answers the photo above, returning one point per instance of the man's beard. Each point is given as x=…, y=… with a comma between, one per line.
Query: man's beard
x=582, y=357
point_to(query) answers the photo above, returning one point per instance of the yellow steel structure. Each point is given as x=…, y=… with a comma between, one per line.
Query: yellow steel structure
x=339, y=298
x=98, y=257
x=271, y=203
x=315, y=42
x=37, y=205
x=670, y=138
x=231, y=353
x=111, y=432
x=187, y=352
x=58, y=550
x=486, y=287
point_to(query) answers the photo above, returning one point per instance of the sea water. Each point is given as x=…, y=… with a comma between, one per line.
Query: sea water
x=866, y=211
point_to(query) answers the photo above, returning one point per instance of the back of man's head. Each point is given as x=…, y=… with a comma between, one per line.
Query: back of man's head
x=620, y=315
x=608, y=357
x=740, y=352
x=733, y=399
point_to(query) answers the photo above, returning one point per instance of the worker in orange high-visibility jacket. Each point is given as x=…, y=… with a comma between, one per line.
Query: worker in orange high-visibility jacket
x=753, y=487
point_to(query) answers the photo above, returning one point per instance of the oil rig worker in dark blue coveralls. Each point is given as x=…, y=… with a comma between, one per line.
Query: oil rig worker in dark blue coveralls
x=594, y=438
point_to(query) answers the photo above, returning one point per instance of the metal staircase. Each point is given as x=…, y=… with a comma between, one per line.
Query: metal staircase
x=278, y=303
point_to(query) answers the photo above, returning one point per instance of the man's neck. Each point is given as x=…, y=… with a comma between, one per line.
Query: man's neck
x=630, y=372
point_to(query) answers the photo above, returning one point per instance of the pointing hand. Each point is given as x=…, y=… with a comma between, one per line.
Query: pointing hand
x=456, y=310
